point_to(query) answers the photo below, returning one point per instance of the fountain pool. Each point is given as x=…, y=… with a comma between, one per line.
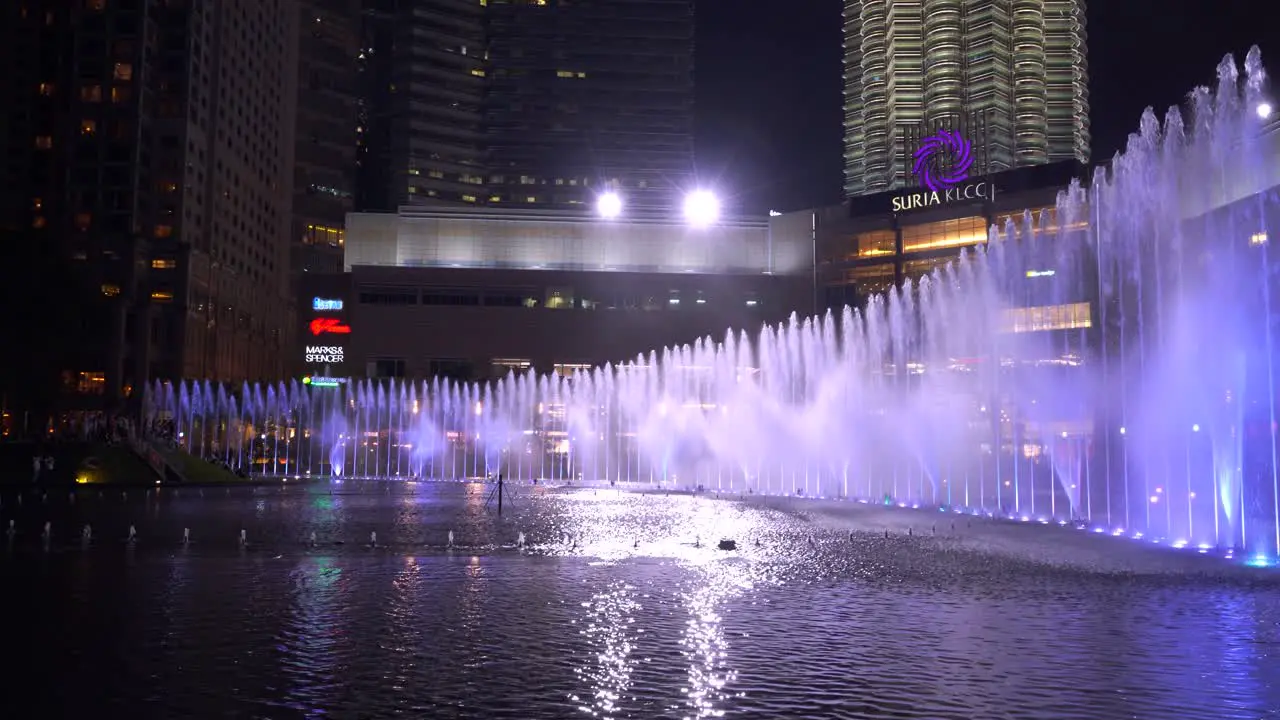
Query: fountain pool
x=1108, y=363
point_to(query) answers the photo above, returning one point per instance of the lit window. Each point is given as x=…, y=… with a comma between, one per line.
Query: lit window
x=495, y=198
x=110, y=290
x=123, y=71
x=1074, y=316
x=468, y=198
x=164, y=231
x=46, y=89
x=873, y=243
x=531, y=199
x=582, y=74
x=91, y=93
x=88, y=127
x=435, y=174
x=564, y=73
x=477, y=72
x=1258, y=238
x=162, y=296
x=559, y=298
x=169, y=186
x=568, y=369
x=120, y=94
x=37, y=203
x=413, y=190
x=91, y=383
x=164, y=264
x=321, y=235
x=83, y=220
x=503, y=366
x=39, y=222
x=944, y=234
x=44, y=142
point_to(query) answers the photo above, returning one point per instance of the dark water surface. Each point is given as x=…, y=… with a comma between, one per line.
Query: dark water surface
x=621, y=607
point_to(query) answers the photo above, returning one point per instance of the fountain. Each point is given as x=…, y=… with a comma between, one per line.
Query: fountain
x=1106, y=364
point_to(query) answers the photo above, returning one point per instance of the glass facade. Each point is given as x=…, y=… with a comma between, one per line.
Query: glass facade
x=875, y=260
x=957, y=233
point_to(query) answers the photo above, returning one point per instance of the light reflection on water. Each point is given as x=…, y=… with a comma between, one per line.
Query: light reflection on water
x=622, y=607
x=704, y=646
x=607, y=626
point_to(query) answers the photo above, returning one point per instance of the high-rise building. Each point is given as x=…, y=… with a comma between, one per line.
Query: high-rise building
x=588, y=95
x=325, y=141
x=1011, y=75
x=145, y=193
x=533, y=103
x=422, y=85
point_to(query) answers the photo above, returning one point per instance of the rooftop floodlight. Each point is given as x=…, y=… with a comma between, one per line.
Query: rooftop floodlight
x=609, y=205
x=701, y=208
x=1264, y=110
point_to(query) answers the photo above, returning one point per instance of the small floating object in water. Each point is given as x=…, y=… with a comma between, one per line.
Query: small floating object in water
x=728, y=544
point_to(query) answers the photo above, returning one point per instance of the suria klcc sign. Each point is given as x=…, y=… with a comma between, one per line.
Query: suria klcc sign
x=942, y=163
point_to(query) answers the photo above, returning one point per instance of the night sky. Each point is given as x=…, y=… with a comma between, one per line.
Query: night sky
x=769, y=102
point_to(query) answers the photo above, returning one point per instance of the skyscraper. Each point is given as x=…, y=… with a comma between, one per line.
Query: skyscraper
x=1011, y=75
x=145, y=194
x=536, y=103
x=325, y=141
x=422, y=84
x=584, y=96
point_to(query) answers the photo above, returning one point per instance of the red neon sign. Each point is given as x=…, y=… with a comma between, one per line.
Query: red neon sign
x=320, y=326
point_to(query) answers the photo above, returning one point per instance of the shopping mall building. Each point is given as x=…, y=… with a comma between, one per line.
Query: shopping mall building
x=471, y=293
x=876, y=242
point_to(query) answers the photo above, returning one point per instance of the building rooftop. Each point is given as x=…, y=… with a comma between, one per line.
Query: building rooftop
x=418, y=236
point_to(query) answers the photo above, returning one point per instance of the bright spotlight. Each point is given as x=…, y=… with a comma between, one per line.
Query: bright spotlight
x=701, y=208
x=1264, y=110
x=609, y=205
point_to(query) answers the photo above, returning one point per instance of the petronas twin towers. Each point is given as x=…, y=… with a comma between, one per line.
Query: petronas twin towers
x=1012, y=75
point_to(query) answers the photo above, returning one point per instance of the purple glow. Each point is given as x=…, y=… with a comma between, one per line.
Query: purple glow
x=933, y=153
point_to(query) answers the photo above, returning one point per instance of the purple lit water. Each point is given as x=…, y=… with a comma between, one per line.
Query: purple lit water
x=622, y=607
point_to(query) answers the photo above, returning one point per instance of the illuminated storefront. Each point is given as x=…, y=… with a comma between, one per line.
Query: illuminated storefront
x=889, y=238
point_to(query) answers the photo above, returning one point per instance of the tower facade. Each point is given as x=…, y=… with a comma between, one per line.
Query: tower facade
x=537, y=104
x=145, y=190
x=1010, y=75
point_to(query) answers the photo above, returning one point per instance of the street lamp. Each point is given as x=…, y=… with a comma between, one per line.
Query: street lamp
x=1264, y=110
x=609, y=205
x=701, y=208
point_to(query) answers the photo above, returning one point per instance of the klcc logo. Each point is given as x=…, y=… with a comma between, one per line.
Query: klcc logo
x=334, y=326
x=943, y=160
